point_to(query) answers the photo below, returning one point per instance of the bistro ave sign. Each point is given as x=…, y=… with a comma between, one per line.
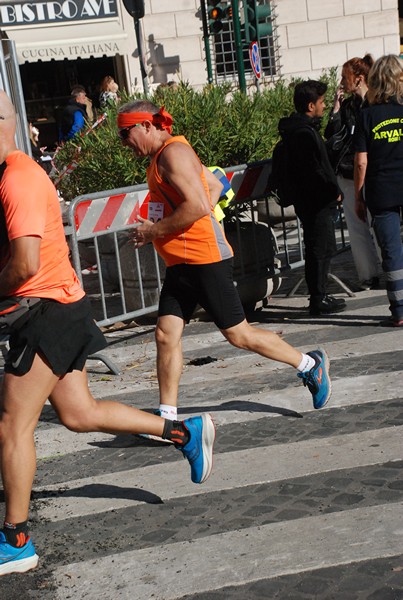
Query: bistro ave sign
x=55, y=11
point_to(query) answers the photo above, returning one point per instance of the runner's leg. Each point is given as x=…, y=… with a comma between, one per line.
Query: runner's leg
x=79, y=411
x=263, y=342
x=22, y=400
x=168, y=336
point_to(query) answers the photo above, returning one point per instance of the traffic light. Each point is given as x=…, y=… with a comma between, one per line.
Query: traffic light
x=256, y=25
x=135, y=8
x=218, y=11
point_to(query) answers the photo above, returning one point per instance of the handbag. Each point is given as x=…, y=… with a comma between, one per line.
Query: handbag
x=13, y=309
x=338, y=145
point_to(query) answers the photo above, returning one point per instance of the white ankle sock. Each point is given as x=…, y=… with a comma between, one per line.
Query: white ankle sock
x=169, y=412
x=306, y=363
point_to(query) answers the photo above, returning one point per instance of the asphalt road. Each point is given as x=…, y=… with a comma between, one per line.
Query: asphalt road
x=301, y=504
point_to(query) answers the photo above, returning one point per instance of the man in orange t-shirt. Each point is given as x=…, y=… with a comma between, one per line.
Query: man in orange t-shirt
x=183, y=193
x=31, y=208
x=49, y=346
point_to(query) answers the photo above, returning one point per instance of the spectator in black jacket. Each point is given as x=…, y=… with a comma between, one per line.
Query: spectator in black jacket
x=354, y=78
x=74, y=115
x=319, y=193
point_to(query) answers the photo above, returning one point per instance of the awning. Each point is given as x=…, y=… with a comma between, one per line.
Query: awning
x=71, y=49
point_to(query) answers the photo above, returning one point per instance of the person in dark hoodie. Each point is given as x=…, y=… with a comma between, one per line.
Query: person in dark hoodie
x=318, y=191
x=74, y=115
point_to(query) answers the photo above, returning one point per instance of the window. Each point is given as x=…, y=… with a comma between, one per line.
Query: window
x=223, y=51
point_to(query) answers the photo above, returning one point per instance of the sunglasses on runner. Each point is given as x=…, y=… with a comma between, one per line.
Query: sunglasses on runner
x=124, y=133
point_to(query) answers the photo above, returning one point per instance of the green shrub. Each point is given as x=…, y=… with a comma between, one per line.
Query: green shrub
x=224, y=126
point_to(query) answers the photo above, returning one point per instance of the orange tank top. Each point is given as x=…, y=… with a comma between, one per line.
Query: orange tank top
x=201, y=243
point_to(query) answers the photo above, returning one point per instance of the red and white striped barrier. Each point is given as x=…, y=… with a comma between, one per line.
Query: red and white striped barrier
x=110, y=213
x=95, y=124
x=67, y=170
x=250, y=182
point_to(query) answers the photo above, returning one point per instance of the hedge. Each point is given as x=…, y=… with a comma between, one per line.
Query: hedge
x=225, y=127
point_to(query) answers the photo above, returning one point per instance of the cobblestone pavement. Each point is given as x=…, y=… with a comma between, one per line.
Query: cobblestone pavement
x=302, y=504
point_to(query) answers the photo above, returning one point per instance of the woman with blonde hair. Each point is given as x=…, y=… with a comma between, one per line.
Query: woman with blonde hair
x=109, y=92
x=343, y=118
x=378, y=171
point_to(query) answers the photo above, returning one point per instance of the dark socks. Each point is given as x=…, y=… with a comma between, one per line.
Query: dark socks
x=16, y=534
x=176, y=432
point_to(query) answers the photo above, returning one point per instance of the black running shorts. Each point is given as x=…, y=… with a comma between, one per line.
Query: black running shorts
x=63, y=334
x=211, y=286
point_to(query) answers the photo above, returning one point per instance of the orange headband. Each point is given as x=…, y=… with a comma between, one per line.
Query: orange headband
x=162, y=118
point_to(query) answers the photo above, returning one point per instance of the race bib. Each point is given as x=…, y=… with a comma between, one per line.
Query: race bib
x=155, y=211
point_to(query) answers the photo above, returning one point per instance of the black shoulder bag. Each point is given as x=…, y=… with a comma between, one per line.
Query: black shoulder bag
x=14, y=311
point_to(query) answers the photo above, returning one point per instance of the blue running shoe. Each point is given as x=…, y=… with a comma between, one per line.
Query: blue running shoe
x=317, y=379
x=16, y=560
x=199, y=449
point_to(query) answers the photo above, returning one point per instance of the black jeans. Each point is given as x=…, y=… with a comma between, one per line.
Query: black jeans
x=320, y=246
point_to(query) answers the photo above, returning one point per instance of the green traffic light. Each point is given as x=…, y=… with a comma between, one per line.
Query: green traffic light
x=263, y=11
x=256, y=25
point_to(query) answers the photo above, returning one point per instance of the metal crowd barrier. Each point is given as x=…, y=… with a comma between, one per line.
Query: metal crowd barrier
x=123, y=283
x=251, y=192
x=113, y=273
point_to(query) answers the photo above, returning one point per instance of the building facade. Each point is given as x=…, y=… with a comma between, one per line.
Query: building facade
x=61, y=43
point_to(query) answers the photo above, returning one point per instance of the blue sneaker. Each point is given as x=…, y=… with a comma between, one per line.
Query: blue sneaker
x=16, y=560
x=317, y=379
x=199, y=449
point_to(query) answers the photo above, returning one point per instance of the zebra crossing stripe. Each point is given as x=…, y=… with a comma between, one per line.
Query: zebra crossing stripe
x=214, y=341
x=171, y=571
x=119, y=490
x=58, y=441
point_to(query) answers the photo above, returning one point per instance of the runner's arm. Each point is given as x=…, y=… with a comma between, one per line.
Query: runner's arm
x=180, y=167
x=22, y=264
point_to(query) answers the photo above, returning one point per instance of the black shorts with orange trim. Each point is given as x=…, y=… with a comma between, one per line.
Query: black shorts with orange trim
x=63, y=334
x=211, y=286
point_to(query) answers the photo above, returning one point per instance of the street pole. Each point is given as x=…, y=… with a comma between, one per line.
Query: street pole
x=144, y=76
x=206, y=41
x=238, y=45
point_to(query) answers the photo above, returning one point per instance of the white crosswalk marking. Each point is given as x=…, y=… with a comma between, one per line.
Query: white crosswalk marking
x=58, y=441
x=232, y=469
x=105, y=528
x=238, y=557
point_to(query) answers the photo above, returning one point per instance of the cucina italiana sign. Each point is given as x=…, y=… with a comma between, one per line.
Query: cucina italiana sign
x=55, y=11
x=69, y=51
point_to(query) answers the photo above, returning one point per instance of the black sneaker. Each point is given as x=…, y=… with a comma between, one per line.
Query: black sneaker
x=335, y=301
x=326, y=306
x=370, y=284
x=391, y=322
